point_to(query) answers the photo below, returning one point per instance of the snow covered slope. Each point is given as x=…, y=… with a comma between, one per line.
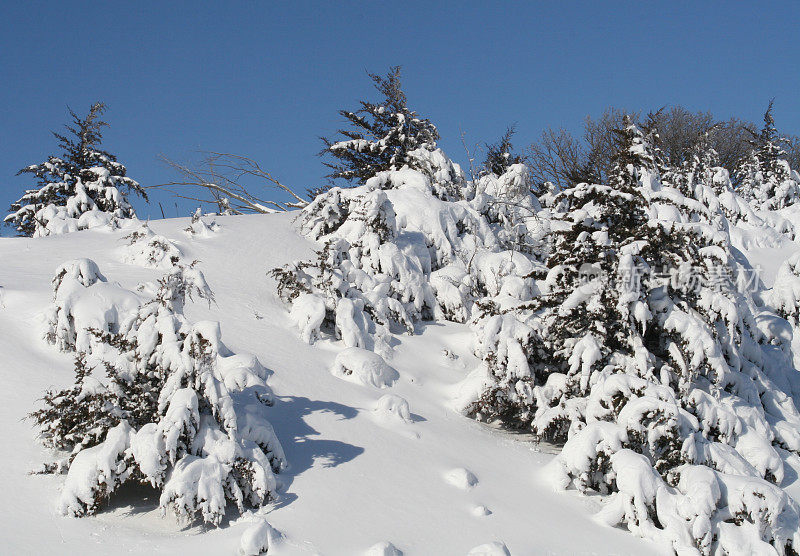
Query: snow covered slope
x=362, y=470
x=368, y=465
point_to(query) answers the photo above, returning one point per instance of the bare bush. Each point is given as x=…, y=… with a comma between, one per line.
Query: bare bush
x=563, y=159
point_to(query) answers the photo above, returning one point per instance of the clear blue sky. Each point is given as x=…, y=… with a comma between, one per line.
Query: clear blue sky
x=265, y=79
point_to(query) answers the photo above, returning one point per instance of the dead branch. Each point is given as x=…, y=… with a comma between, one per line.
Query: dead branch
x=225, y=180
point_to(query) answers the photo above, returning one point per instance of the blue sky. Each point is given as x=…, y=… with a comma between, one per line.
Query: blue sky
x=265, y=79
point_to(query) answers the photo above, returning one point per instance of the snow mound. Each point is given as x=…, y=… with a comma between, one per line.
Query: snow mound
x=461, y=478
x=363, y=367
x=394, y=408
x=258, y=539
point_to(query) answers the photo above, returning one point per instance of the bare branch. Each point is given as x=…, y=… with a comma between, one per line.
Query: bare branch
x=222, y=177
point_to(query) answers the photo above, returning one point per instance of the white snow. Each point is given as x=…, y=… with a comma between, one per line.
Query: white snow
x=383, y=548
x=495, y=548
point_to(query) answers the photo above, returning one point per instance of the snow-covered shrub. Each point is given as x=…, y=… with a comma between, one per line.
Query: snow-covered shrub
x=784, y=297
x=146, y=248
x=705, y=511
x=199, y=227
x=363, y=367
x=394, y=252
x=82, y=188
x=161, y=401
x=83, y=300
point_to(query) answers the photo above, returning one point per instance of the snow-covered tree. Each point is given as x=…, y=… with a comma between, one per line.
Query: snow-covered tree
x=83, y=187
x=581, y=306
x=382, y=136
x=157, y=400
x=644, y=356
x=765, y=176
x=512, y=211
x=146, y=248
x=697, y=168
x=500, y=155
x=400, y=249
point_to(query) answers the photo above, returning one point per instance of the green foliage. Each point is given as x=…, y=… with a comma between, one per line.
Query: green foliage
x=380, y=136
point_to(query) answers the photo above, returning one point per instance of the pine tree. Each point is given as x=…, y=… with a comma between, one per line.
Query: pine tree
x=699, y=168
x=583, y=267
x=382, y=136
x=83, y=187
x=499, y=155
x=168, y=410
x=765, y=176
x=654, y=142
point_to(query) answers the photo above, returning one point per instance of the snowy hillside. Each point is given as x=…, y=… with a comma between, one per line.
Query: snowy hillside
x=360, y=473
x=422, y=363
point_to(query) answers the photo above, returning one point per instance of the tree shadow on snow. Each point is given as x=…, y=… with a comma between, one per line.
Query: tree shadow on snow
x=423, y=325
x=299, y=439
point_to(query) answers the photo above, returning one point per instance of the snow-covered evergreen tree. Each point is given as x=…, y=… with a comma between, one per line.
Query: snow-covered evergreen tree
x=581, y=304
x=83, y=187
x=500, y=155
x=157, y=400
x=382, y=136
x=399, y=249
x=640, y=355
x=765, y=176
